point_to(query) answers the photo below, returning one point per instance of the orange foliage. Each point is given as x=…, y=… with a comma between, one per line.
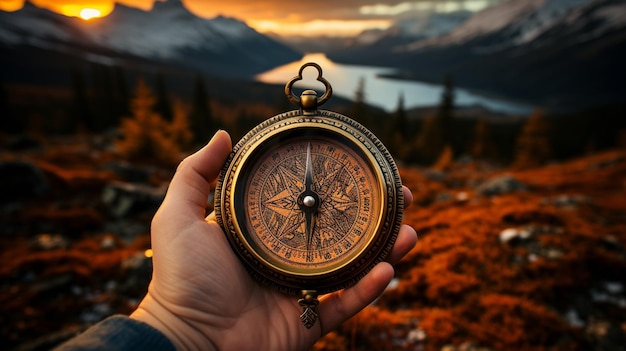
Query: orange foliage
x=463, y=283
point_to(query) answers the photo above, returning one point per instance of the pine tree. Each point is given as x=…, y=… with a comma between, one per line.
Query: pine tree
x=104, y=112
x=180, y=132
x=446, y=110
x=163, y=105
x=482, y=146
x=146, y=134
x=397, y=133
x=401, y=124
x=429, y=142
x=359, y=107
x=200, y=117
x=434, y=140
x=121, y=94
x=79, y=115
x=533, y=144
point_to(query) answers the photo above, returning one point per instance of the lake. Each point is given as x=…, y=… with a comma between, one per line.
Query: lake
x=379, y=91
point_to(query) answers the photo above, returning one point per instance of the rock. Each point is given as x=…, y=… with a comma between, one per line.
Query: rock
x=393, y=284
x=567, y=201
x=513, y=235
x=96, y=313
x=20, y=180
x=573, y=318
x=500, y=185
x=462, y=196
x=108, y=242
x=435, y=175
x=123, y=199
x=614, y=287
x=50, y=242
x=416, y=335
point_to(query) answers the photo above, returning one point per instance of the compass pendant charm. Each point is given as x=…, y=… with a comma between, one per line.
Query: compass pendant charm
x=310, y=200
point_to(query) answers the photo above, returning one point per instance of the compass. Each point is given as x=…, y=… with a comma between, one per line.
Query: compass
x=310, y=200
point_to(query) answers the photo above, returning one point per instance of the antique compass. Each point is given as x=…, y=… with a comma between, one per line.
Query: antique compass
x=310, y=200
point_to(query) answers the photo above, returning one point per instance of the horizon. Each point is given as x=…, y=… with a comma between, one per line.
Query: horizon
x=327, y=18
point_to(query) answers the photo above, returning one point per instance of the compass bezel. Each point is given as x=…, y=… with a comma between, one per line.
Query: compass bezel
x=228, y=207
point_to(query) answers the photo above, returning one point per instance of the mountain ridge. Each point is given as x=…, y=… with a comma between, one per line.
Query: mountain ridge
x=560, y=66
x=218, y=46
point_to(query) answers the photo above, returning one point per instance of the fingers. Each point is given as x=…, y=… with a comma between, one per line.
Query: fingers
x=408, y=197
x=189, y=189
x=406, y=240
x=339, y=306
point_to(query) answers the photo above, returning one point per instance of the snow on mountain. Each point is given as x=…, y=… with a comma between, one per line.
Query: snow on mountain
x=432, y=25
x=166, y=29
x=168, y=33
x=614, y=15
x=516, y=21
x=561, y=54
x=34, y=25
x=545, y=16
x=412, y=28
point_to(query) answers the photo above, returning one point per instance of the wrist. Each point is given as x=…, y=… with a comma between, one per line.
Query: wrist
x=181, y=333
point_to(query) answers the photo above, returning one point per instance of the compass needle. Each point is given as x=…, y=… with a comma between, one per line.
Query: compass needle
x=310, y=205
x=310, y=200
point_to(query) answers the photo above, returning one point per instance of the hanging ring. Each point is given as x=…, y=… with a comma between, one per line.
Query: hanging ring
x=297, y=100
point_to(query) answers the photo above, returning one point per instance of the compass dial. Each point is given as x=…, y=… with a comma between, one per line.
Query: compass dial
x=310, y=202
x=314, y=227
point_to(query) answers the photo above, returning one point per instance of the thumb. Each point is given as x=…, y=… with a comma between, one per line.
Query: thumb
x=189, y=189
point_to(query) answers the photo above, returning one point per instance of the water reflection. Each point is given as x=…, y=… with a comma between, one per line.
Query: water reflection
x=379, y=91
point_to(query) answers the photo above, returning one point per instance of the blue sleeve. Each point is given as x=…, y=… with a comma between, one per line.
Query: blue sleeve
x=118, y=333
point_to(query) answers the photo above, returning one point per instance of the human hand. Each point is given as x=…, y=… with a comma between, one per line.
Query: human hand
x=201, y=296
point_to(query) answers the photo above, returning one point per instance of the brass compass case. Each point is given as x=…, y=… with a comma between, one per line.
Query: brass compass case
x=310, y=200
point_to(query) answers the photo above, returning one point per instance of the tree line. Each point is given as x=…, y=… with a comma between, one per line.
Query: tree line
x=436, y=138
x=152, y=124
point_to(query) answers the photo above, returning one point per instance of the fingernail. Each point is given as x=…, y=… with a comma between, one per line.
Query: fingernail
x=214, y=135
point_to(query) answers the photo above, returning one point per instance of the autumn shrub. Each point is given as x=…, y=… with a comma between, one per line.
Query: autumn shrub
x=146, y=135
x=504, y=321
x=533, y=147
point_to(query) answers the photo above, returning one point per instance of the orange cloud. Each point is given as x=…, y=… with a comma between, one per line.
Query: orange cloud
x=328, y=17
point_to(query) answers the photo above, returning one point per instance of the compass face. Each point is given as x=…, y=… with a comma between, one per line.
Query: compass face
x=347, y=203
x=310, y=202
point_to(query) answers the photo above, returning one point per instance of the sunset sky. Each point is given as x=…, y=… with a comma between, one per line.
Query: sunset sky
x=332, y=17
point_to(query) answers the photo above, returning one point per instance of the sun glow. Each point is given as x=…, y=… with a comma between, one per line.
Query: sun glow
x=89, y=13
x=336, y=28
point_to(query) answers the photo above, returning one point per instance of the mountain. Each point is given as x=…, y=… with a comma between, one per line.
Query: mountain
x=560, y=54
x=410, y=29
x=168, y=34
x=405, y=31
x=512, y=23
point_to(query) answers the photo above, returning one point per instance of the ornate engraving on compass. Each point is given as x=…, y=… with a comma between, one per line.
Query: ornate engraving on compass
x=312, y=203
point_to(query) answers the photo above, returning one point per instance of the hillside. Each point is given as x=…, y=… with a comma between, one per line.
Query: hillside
x=507, y=259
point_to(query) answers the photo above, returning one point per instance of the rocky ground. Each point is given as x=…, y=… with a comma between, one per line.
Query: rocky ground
x=506, y=259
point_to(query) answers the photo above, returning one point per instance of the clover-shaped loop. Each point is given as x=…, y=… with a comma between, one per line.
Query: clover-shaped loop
x=295, y=99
